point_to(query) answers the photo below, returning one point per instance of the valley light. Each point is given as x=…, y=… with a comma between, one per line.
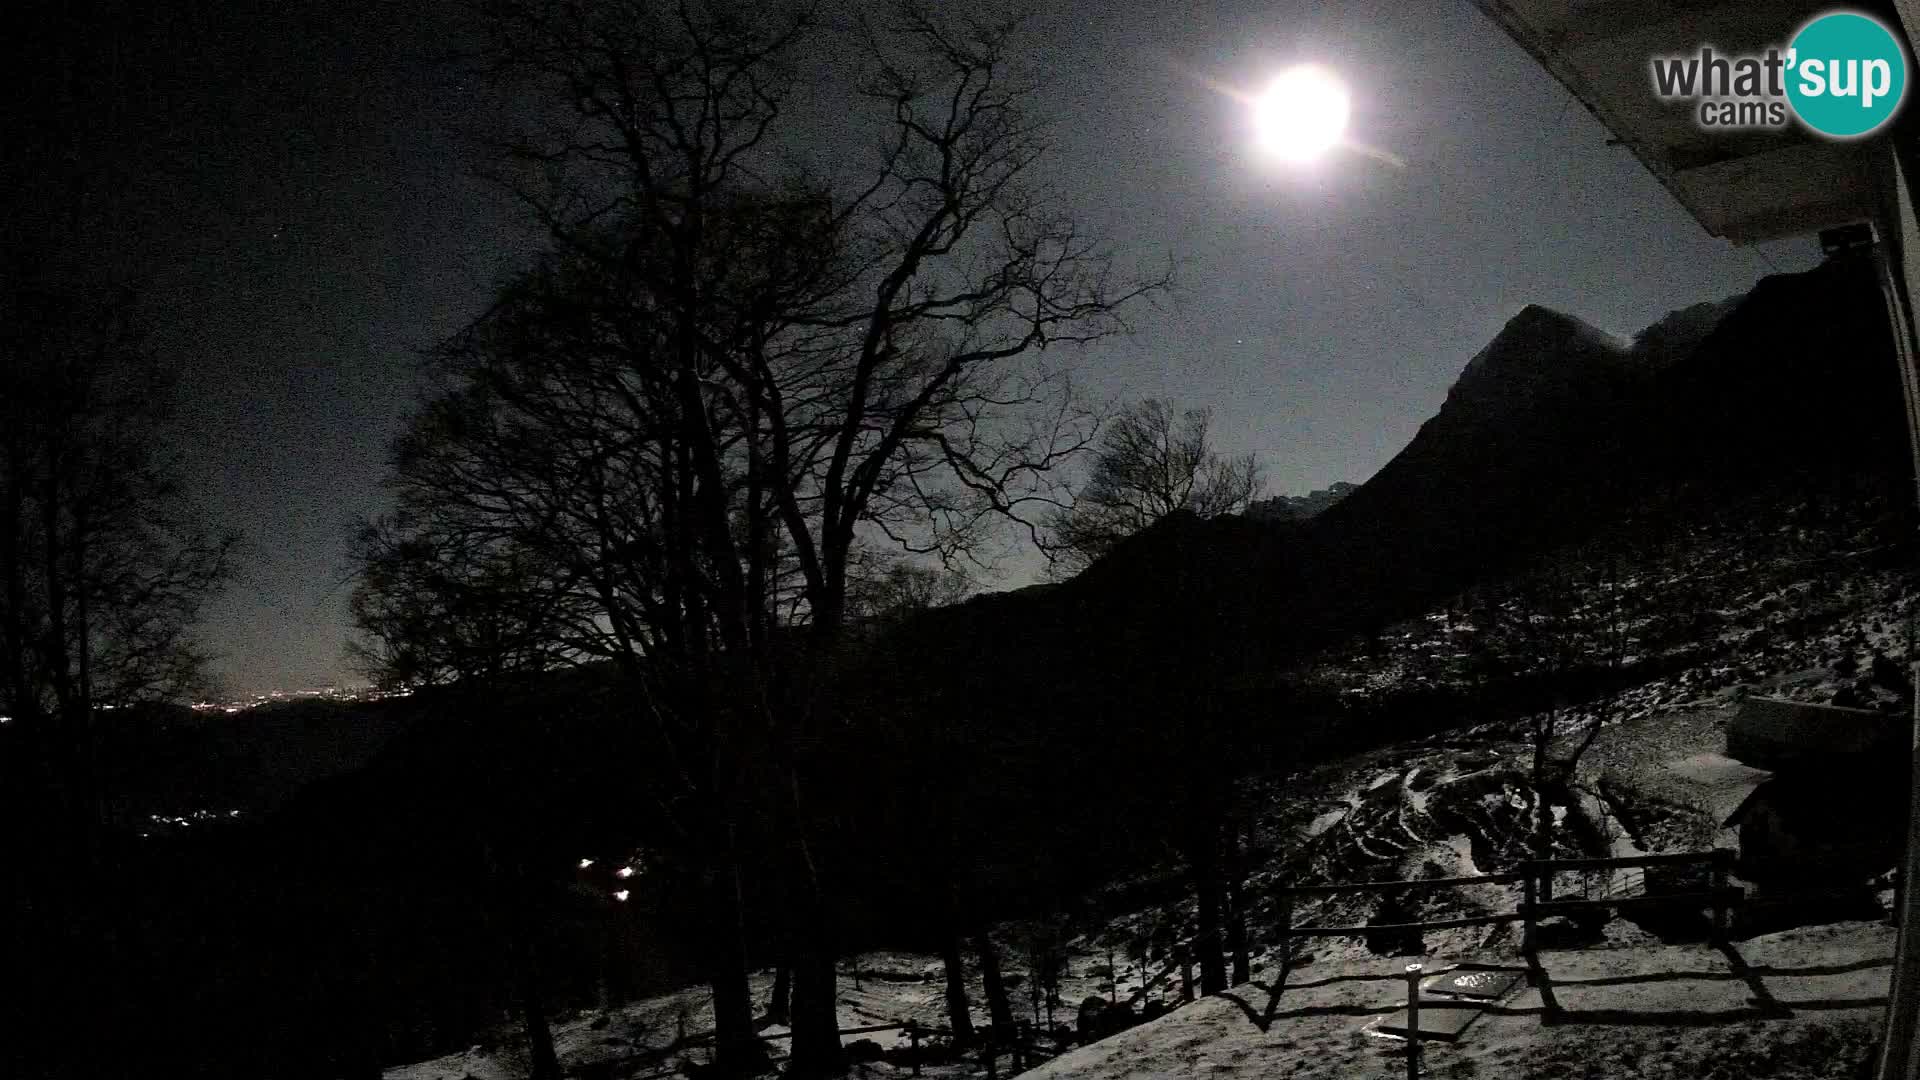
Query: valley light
x=624, y=872
x=621, y=896
x=586, y=864
x=1303, y=114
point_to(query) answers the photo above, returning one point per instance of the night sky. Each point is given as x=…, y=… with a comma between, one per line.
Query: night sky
x=294, y=183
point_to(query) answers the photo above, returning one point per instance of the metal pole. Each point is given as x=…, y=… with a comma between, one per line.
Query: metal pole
x=1895, y=228
x=913, y=1036
x=1413, y=1021
x=1896, y=1049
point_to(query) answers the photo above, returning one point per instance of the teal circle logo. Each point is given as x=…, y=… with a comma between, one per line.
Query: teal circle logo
x=1847, y=74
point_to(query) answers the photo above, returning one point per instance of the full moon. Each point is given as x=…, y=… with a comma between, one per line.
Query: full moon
x=1303, y=114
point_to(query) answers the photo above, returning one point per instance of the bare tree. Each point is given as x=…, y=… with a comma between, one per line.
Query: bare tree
x=882, y=590
x=544, y=498
x=1150, y=462
x=436, y=603
x=104, y=571
x=442, y=601
x=104, y=568
x=811, y=363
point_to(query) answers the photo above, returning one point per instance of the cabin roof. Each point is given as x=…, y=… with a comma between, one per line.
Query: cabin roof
x=1777, y=733
x=1722, y=785
x=1744, y=186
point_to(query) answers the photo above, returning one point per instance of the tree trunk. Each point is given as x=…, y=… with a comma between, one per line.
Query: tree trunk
x=738, y=1050
x=364, y=1044
x=780, y=1005
x=816, y=1023
x=998, y=1007
x=545, y=1065
x=959, y=1016
x=1236, y=910
x=815, y=1004
x=1203, y=858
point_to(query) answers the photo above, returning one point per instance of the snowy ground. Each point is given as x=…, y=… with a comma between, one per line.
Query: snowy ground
x=1447, y=805
x=1819, y=616
x=892, y=987
x=1803, y=1003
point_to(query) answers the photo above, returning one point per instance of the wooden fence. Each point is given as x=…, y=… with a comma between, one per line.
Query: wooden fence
x=1536, y=879
x=1022, y=1049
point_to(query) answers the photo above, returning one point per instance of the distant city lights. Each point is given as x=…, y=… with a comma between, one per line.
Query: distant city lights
x=624, y=872
x=621, y=896
x=278, y=697
x=187, y=820
x=586, y=864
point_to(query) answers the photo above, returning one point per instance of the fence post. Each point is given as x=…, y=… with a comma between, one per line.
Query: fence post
x=913, y=1039
x=1413, y=1021
x=1186, y=972
x=993, y=1066
x=1286, y=932
x=1528, y=894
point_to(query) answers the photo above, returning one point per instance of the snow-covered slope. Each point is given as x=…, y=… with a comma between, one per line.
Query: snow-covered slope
x=1803, y=1003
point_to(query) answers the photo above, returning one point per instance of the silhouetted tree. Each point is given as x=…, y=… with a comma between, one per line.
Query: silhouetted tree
x=959, y=1015
x=515, y=884
x=104, y=565
x=882, y=591
x=799, y=363
x=1150, y=463
x=104, y=570
x=779, y=1002
x=439, y=601
x=1236, y=903
x=999, y=1006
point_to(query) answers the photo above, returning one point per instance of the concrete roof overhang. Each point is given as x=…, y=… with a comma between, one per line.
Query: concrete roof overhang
x=1747, y=186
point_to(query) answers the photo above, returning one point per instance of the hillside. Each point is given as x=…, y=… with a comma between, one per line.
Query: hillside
x=1807, y=1000
x=1741, y=466
x=1285, y=508
x=172, y=762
